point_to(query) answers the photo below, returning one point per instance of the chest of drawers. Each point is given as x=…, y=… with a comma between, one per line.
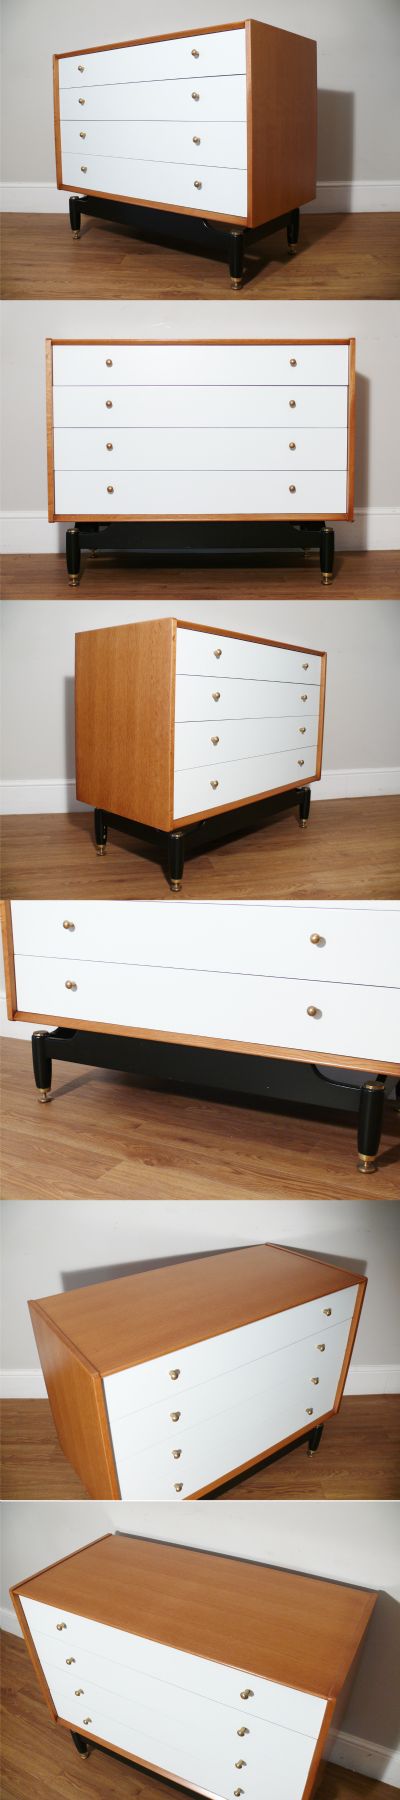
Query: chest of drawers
x=203, y=432
x=162, y=1385
x=216, y=126
x=293, y=982
x=177, y=724
x=208, y=1669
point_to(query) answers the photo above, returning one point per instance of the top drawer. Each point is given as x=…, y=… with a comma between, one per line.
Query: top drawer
x=181, y=364
x=203, y=653
x=211, y=53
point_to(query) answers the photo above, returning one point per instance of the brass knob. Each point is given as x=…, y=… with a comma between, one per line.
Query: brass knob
x=110, y=490
x=315, y=1380
x=82, y=134
x=173, y=1373
x=109, y=446
x=196, y=140
x=215, y=740
x=81, y=68
x=309, y=1411
x=304, y=696
x=83, y=168
x=293, y=362
x=242, y=1731
x=304, y=665
x=292, y=446
x=237, y=1792
x=198, y=184
x=300, y=762
x=78, y=1692
x=312, y=1012
x=61, y=1627
x=176, y=1454
x=292, y=402
x=214, y=784
x=241, y=1764
x=195, y=53
x=217, y=653
x=178, y=1485
x=68, y=925
x=82, y=103
x=108, y=362
x=247, y=1694
x=216, y=696
x=68, y=1659
x=320, y=1346
x=195, y=96
x=315, y=938
x=327, y=1312
x=72, y=985
x=108, y=403
x=175, y=1417
x=292, y=489
x=88, y=1721
x=302, y=729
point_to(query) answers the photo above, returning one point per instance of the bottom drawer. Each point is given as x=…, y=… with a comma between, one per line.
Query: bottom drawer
x=196, y=188
x=201, y=790
x=181, y=493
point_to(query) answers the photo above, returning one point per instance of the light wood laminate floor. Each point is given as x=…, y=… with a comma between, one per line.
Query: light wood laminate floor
x=363, y=575
x=358, y=1458
x=341, y=256
x=40, y=1760
x=105, y=1136
x=350, y=851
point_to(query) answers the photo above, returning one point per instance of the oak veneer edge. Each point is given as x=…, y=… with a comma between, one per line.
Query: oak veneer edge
x=321, y=715
x=172, y=342
x=57, y=122
x=9, y=959
x=173, y=1037
x=354, y=1324
x=50, y=431
x=351, y=427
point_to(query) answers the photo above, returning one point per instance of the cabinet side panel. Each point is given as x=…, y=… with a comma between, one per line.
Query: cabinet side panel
x=283, y=125
x=124, y=720
x=22, y=1621
x=78, y=1408
x=8, y=954
x=57, y=130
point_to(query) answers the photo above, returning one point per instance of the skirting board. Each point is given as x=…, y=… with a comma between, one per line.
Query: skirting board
x=363, y=1378
x=57, y=795
x=332, y=197
x=348, y=1752
x=29, y=534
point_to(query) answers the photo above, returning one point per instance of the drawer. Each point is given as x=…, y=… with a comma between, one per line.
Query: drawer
x=175, y=494
x=254, y=937
x=182, y=364
x=199, y=189
x=155, y=406
x=220, y=143
x=349, y=1021
x=218, y=696
x=216, y=99
x=196, y=1675
x=148, y=1384
x=194, y=448
x=163, y=59
x=198, y=745
x=201, y=790
x=198, y=653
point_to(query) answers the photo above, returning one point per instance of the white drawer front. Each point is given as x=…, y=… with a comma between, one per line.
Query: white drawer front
x=190, y=448
x=155, y=406
x=199, y=745
x=350, y=1021
x=355, y=944
x=197, y=102
x=214, y=53
x=195, y=1675
x=199, y=189
x=178, y=494
x=201, y=790
x=228, y=697
x=150, y=1384
x=181, y=364
x=215, y=144
x=205, y=653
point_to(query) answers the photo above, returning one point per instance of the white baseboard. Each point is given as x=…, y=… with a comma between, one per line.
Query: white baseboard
x=332, y=196
x=29, y=534
x=57, y=794
x=22, y=1384
x=363, y=1378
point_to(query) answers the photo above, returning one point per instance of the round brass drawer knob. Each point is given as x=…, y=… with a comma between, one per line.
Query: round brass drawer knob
x=110, y=490
x=315, y=1380
x=108, y=403
x=216, y=696
x=81, y=68
x=293, y=362
x=196, y=140
x=215, y=740
x=109, y=362
x=195, y=53
x=214, y=784
x=83, y=168
x=292, y=403
x=302, y=730
x=304, y=696
x=315, y=938
x=195, y=96
x=238, y=1792
x=305, y=665
x=217, y=653
x=300, y=762
x=78, y=1693
x=173, y=1373
x=69, y=1659
x=292, y=489
x=178, y=1485
x=312, y=1012
x=292, y=446
x=176, y=1454
x=68, y=925
x=198, y=184
x=241, y=1764
x=109, y=446
x=320, y=1346
x=242, y=1731
x=327, y=1312
x=247, y=1694
x=72, y=985
x=82, y=134
x=81, y=102
x=61, y=1627
x=175, y=1416
x=88, y=1721
x=309, y=1411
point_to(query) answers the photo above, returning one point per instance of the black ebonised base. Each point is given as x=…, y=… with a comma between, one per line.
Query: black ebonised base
x=195, y=544
x=204, y=831
x=186, y=231
x=82, y=1744
x=271, y=1078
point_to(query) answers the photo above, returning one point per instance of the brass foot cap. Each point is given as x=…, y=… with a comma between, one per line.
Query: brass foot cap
x=101, y=849
x=175, y=886
x=292, y=249
x=44, y=1096
x=367, y=1165
x=310, y=1452
x=76, y=234
x=74, y=580
x=303, y=824
x=236, y=283
x=326, y=579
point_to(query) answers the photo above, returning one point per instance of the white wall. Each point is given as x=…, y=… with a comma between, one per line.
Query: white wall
x=374, y=324
x=358, y=49
x=49, y=1246
x=356, y=1542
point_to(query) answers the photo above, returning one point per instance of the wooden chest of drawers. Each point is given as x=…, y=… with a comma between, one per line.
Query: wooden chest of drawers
x=163, y=1385
x=219, y=124
x=209, y=1670
x=200, y=431
x=175, y=723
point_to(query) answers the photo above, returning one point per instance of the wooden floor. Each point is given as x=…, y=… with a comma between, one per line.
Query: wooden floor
x=340, y=256
x=358, y=1458
x=350, y=850
x=366, y=575
x=40, y=1761
x=104, y=1136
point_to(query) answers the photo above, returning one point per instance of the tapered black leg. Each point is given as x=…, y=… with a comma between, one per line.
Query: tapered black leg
x=304, y=806
x=293, y=230
x=100, y=831
x=327, y=554
x=236, y=258
x=370, y=1115
x=73, y=554
x=315, y=1439
x=74, y=215
x=41, y=1063
x=82, y=1744
x=176, y=858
